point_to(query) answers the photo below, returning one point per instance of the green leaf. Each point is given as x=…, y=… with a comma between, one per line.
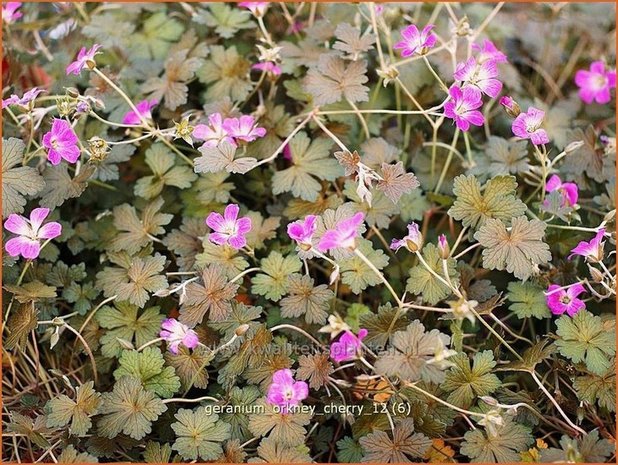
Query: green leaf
x=466, y=381
x=423, y=282
x=63, y=410
x=129, y=409
x=239, y=421
x=147, y=365
x=518, y=251
x=158, y=33
x=32, y=429
x=18, y=181
x=396, y=182
x=413, y=205
x=162, y=163
x=349, y=450
x=354, y=314
x=528, y=300
x=32, y=291
x=498, y=200
x=226, y=74
x=60, y=186
x=587, y=338
x=356, y=273
x=316, y=368
x=273, y=451
x=588, y=449
x=156, y=452
x=226, y=20
x=190, y=366
x=123, y=322
x=310, y=160
x=305, y=299
x=199, y=435
x=20, y=323
x=350, y=41
x=135, y=232
x=510, y=439
x=404, y=445
x=382, y=325
x=227, y=260
x=222, y=157
x=505, y=157
x=80, y=296
x=411, y=354
x=287, y=429
x=276, y=268
x=71, y=455
x=599, y=389
x=334, y=79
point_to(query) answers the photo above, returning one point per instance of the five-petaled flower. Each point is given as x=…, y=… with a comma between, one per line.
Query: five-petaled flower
x=143, y=112
x=592, y=250
x=480, y=75
x=257, y=8
x=268, y=67
x=560, y=300
x=302, y=231
x=568, y=190
x=489, y=52
x=595, y=84
x=243, y=128
x=413, y=241
x=229, y=229
x=61, y=142
x=83, y=57
x=343, y=235
x=29, y=233
x=213, y=133
x=528, y=126
x=176, y=333
x=415, y=41
x=25, y=100
x=348, y=346
x=10, y=13
x=462, y=107
x=285, y=392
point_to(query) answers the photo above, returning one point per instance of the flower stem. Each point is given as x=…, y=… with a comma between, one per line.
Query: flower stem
x=379, y=274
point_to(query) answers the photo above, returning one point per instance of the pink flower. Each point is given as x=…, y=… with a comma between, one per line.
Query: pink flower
x=83, y=57
x=268, y=67
x=61, y=142
x=415, y=42
x=176, y=333
x=347, y=347
x=565, y=300
x=528, y=126
x=23, y=101
x=463, y=107
x=595, y=85
x=593, y=250
x=10, y=13
x=29, y=233
x=257, y=8
x=229, y=229
x=510, y=106
x=243, y=128
x=285, y=391
x=568, y=190
x=213, y=133
x=489, y=52
x=302, y=231
x=143, y=108
x=413, y=241
x=480, y=75
x=343, y=235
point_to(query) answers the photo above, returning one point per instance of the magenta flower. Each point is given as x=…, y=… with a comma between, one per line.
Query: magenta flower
x=415, y=42
x=347, y=347
x=83, y=57
x=565, y=300
x=569, y=190
x=61, y=142
x=595, y=85
x=10, y=13
x=257, y=8
x=592, y=250
x=489, y=52
x=443, y=247
x=302, y=231
x=143, y=108
x=463, y=107
x=528, y=126
x=213, y=133
x=343, y=234
x=23, y=101
x=413, y=241
x=480, y=75
x=29, y=233
x=285, y=391
x=176, y=333
x=268, y=67
x=229, y=229
x=510, y=106
x=243, y=128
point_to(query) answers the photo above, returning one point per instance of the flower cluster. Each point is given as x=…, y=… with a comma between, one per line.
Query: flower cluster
x=231, y=130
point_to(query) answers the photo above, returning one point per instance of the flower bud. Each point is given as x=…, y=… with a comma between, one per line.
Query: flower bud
x=596, y=275
x=241, y=330
x=388, y=75
x=573, y=146
x=443, y=247
x=510, y=106
x=72, y=92
x=98, y=149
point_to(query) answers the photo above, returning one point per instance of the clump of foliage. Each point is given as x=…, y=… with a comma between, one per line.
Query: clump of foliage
x=308, y=232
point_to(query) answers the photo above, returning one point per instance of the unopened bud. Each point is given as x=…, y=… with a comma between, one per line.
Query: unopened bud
x=573, y=146
x=443, y=247
x=489, y=400
x=125, y=344
x=388, y=74
x=596, y=275
x=241, y=330
x=162, y=293
x=72, y=92
x=98, y=149
x=510, y=106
